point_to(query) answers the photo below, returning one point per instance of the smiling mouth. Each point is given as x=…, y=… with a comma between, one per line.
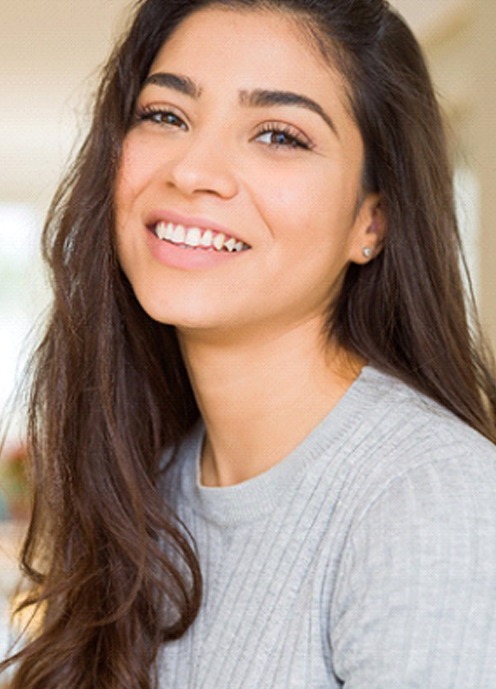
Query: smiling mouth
x=198, y=238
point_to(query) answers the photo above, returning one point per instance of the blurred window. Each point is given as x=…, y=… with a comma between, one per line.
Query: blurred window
x=22, y=290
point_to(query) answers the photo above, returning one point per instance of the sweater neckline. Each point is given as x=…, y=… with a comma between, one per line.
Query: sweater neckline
x=260, y=495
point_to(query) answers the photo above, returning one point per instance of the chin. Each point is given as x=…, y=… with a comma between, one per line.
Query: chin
x=181, y=315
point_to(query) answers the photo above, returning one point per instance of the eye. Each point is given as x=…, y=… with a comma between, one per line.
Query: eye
x=161, y=116
x=283, y=136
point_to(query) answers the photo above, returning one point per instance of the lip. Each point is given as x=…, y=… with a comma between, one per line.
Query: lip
x=180, y=257
x=185, y=258
x=157, y=216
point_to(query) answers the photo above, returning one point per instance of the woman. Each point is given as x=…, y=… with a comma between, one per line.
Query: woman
x=262, y=431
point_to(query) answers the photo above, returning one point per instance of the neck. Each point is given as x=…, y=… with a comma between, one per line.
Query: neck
x=260, y=399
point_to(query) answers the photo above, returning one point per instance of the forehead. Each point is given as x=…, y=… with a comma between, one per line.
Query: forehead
x=251, y=48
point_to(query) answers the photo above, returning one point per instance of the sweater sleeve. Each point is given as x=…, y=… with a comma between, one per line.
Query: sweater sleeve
x=415, y=601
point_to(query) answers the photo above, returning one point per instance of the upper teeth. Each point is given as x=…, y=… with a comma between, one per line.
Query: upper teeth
x=195, y=236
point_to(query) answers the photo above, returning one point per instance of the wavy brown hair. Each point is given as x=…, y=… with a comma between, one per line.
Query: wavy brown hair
x=113, y=573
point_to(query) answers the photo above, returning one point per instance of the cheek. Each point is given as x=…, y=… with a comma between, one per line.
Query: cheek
x=125, y=185
x=135, y=170
x=313, y=200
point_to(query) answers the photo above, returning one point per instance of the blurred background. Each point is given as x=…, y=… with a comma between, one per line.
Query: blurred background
x=50, y=55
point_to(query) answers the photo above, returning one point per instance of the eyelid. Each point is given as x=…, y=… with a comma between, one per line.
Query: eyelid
x=144, y=109
x=291, y=130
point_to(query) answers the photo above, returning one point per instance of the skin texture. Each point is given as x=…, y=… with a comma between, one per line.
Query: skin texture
x=251, y=324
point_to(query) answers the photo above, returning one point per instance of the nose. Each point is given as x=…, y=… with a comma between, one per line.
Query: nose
x=203, y=165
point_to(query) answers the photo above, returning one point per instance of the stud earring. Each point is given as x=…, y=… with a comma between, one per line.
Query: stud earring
x=367, y=252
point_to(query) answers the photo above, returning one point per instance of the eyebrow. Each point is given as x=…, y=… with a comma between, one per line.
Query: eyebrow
x=174, y=81
x=258, y=98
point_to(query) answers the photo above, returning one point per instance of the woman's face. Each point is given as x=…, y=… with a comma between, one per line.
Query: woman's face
x=238, y=197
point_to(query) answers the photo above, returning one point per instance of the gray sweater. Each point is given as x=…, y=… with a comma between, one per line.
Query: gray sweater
x=366, y=559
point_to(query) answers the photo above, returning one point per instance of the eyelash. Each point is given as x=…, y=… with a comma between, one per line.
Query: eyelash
x=152, y=114
x=149, y=113
x=295, y=140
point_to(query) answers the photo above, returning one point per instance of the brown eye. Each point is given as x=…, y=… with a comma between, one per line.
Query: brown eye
x=163, y=117
x=282, y=137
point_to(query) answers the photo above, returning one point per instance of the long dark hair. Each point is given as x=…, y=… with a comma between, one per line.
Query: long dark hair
x=114, y=574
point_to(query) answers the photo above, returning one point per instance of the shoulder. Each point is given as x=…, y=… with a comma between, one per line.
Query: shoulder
x=402, y=414
x=408, y=439
x=414, y=599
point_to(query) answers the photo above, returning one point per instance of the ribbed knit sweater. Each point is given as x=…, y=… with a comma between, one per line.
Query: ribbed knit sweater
x=365, y=559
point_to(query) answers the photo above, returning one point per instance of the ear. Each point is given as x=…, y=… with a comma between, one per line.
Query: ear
x=369, y=230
